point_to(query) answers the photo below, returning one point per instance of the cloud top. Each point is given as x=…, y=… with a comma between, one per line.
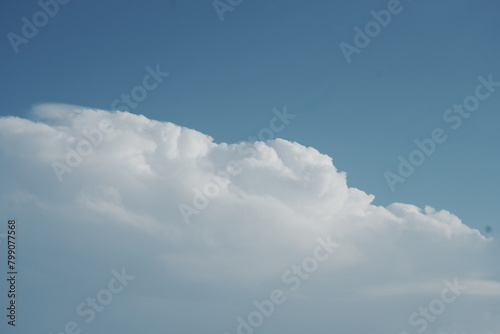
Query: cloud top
x=239, y=214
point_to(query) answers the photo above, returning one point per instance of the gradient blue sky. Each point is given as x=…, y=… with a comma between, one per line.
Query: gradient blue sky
x=226, y=77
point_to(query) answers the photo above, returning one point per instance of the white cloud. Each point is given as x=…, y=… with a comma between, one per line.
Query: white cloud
x=120, y=203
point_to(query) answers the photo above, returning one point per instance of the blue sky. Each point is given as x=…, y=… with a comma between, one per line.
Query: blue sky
x=226, y=77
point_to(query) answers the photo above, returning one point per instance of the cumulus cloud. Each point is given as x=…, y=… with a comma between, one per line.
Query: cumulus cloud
x=207, y=228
